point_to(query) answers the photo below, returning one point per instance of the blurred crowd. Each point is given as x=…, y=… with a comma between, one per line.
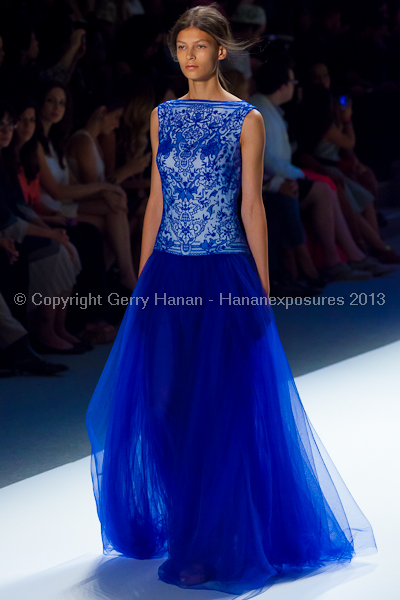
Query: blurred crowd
x=78, y=82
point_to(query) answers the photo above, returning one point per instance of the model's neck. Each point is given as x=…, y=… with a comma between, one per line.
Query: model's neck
x=206, y=90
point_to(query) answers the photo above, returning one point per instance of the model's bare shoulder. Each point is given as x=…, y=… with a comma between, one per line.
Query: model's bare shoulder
x=253, y=118
x=252, y=127
x=154, y=114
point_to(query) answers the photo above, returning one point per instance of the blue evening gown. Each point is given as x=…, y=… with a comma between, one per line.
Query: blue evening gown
x=201, y=448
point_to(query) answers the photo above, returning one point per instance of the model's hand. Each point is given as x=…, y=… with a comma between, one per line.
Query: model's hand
x=267, y=289
x=290, y=188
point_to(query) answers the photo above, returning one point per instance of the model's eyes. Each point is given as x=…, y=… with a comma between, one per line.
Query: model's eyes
x=199, y=46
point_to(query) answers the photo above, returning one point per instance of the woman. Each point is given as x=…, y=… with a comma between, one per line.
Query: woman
x=201, y=446
x=25, y=155
x=129, y=147
x=107, y=211
x=53, y=261
x=98, y=204
x=125, y=150
x=84, y=236
x=325, y=134
x=349, y=163
x=84, y=152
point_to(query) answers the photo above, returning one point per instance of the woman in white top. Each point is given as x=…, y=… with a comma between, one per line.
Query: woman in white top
x=98, y=202
x=86, y=163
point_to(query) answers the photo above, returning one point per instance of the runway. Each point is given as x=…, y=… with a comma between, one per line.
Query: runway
x=50, y=535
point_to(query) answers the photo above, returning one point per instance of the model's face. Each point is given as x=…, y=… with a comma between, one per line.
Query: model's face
x=7, y=127
x=111, y=121
x=54, y=105
x=2, y=53
x=197, y=53
x=320, y=76
x=26, y=125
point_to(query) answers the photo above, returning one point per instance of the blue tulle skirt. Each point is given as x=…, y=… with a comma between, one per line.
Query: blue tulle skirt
x=201, y=449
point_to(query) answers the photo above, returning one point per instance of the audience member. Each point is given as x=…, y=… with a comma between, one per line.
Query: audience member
x=238, y=83
x=103, y=204
x=54, y=176
x=248, y=21
x=276, y=83
x=325, y=136
x=85, y=237
x=53, y=263
x=16, y=352
x=130, y=144
x=318, y=74
x=87, y=165
x=83, y=197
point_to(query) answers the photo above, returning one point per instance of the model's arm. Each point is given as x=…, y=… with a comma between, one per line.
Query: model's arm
x=154, y=209
x=253, y=211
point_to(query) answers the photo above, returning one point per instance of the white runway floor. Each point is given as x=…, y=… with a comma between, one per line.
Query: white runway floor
x=50, y=538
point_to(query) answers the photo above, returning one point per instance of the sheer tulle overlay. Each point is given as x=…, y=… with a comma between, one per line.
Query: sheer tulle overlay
x=202, y=450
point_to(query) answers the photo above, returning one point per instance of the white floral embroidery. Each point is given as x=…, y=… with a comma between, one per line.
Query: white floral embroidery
x=200, y=166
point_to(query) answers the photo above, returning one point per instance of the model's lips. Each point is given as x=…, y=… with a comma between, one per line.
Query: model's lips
x=191, y=66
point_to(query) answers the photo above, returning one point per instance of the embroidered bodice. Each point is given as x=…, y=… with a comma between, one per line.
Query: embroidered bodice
x=200, y=166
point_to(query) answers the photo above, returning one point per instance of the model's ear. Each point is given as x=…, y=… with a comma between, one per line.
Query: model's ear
x=221, y=53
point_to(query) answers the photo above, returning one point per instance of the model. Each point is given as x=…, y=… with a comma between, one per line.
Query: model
x=202, y=450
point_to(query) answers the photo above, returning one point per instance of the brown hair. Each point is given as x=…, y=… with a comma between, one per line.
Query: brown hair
x=212, y=21
x=135, y=122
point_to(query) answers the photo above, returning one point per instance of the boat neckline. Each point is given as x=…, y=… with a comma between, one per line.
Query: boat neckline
x=204, y=100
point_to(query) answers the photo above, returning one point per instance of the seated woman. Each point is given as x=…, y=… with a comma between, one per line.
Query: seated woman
x=322, y=137
x=106, y=208
x=53, y=262
x=318, y=74
x=85, y=237
x=127, y=150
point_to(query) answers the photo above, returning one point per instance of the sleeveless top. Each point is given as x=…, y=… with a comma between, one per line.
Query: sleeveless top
x=73, y=163
x=326, y=149
x=67, y=207
x=200, y=165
